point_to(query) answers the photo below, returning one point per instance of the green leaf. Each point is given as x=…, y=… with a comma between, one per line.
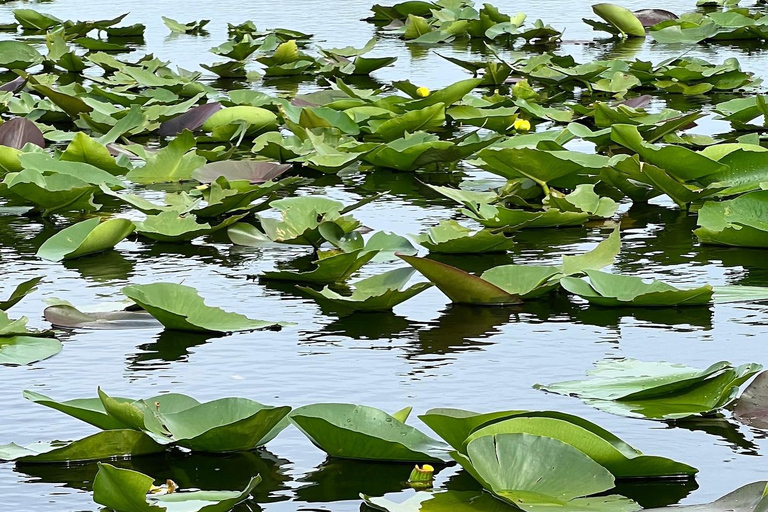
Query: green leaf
x=23, y=350
x=175, y=162
x=455, y=425
x=335, y=268
x=657, y=390
x=450, y=237
x=377, y=293
x=179, y=307
x=18, y=55
x=612, y=453
x=739, y=222
x=555, y=473
x=621, y=18
x=617, y=290
x=87, y=237
x=84, y=149
x=415, y=27
x=359, y=432
x=124, y=490
x=21, y=291
x=100, y=446
x=426, y=119
x=171, y=226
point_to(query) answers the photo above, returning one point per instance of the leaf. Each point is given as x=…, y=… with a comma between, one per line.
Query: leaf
x=377, y=293
x=84, y=149
x=657, y=390
x=455, y=425
x=622, y=460
x=257, y=119
x=752, y=406
x=621, y=18
x=180, y=308
x=23, y=350
x=739, y=222
x=601, y=256
x=100, y=446
x=124, y=490
x=450, y=237
x=18, y=55
x=65, y=315
x=87, y=237
x=19, y=132
x=554, y=473
x=426, y=119
x=748, y=498
x=253, y=171
x=461, y=287
x=170, y=226
x=617, y=290
x=359, y=432
x=175, y=162
x=21, y=291
x=191, y=120
x=328, y=270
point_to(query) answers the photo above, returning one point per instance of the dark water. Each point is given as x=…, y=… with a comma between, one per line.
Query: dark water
x=425, y=354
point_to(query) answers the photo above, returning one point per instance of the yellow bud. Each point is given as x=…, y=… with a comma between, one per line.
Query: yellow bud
x=428, y=467
x=522, y=125
x=202, y=187
x=422, y=92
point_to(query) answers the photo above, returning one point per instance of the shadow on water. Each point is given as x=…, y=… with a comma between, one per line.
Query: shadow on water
x=188, y=470
x=168, y=347
x=337, y=480
x=105, y=266
x=721, y=428
x=366, y=326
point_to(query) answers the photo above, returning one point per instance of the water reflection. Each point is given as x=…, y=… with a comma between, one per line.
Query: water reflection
x=337, y=480
x=677, y=319
x=103, y=267
x=655, y=493
x=188, y=470
x=168, y=347
x=366, y=326
x=721, y=428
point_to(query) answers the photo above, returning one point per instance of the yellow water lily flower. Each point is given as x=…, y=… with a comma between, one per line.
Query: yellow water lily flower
x=422, y=92
x=522, y=125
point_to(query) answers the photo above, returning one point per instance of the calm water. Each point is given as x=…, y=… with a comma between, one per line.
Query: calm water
x=426, y=354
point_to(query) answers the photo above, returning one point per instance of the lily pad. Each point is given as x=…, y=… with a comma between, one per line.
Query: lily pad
x=657, y=390
x=335, y=267
x=537, y=473
x=87, y=237
x=616, y=290
x=23, y=350
x=378, y=293
x=124, y=490
x=21, y=291
x=739, y=222
x=752, y=406
x=359, y=432
x=179, y=307
x=66, y=315
x=450, y=237
x=100, y=446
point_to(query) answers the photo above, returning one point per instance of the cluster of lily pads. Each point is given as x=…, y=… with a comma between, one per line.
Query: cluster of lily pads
x=568, y=458
x=74, y=148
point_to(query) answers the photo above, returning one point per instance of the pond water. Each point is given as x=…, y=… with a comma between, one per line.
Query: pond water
x=426, y=354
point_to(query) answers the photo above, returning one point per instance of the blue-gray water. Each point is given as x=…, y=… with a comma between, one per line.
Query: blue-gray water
x=426, y=354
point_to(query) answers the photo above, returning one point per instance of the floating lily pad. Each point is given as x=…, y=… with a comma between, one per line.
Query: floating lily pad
x=450, y=237
x=66, y=315
x=616, y=290
x=124, y=490
x=359, y=432
x=378, y=293
x=170, y=226
x=335, y=267
x=657, y=390
x=23, y=350
x=87, y=237
x=21, y=291
x=555, y=474
x=179, y=307
x=100, y=446
x=738, y=222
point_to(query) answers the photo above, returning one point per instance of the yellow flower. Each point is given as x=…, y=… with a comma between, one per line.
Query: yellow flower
x=422, y=92
x=522, y=125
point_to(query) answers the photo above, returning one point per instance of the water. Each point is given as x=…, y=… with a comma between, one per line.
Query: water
x=425, y=354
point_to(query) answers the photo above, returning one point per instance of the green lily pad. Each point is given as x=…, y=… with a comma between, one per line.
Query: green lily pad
x=624, y=21
x=739, y=222
x=553, y=474
x=21, y=291
x=302, y=216
x=622, y=460
x=23, y=350
x=455, y=425
x=359, y=432
x=616, y=290
x=100, y=446
x=378, y=293
x=329, y=268
x=657, y=390
x=87, y=237
x=450, y=237
x=179, y=307
x=18, y=55
x=175, y=162
x=124, y=490
x=440, y=501
x=170, y=226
